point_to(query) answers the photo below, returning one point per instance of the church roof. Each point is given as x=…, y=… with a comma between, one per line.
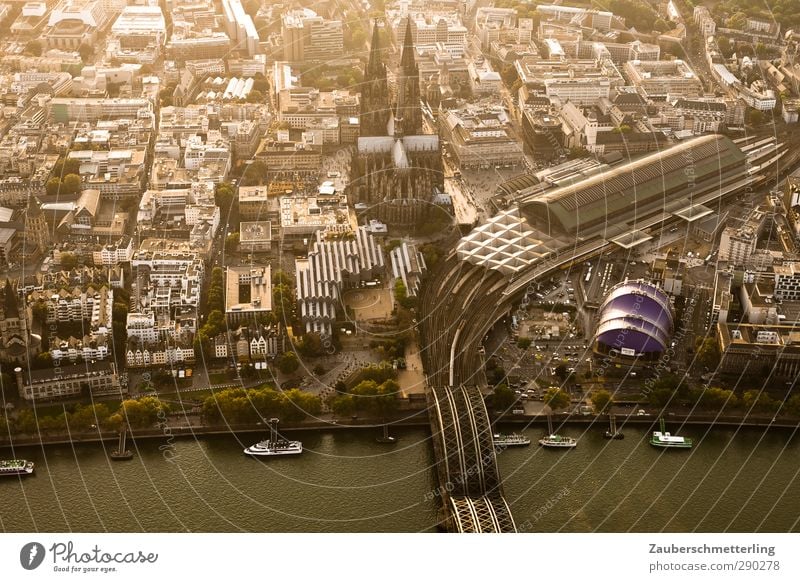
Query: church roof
x=399, y=155
x=384, y=144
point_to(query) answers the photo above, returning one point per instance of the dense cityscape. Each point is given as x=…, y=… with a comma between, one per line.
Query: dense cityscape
x=472, y=217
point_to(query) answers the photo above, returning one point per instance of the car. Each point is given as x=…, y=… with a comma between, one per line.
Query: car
x=641, y=412
x=518, y=411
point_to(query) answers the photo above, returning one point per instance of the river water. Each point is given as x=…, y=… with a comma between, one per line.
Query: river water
x=746, y=480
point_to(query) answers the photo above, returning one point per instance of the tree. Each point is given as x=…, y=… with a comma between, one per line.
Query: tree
x=280, y=277
x=342, y=405
x=288, y=363
x=738, y=21
x=435, y=222
x=379, y=399
x=232, y=242
x=282, y=303
x=42, y=360
x=223, y=196
x=85, y=51
x=601, y=400
x=660, y=25
x=793, y=405
x=556, y=398
x=71, y=184
x=216, y=291
x=84, y=417
x=260, y=83
x=561, y=372
x=143, y=412
x=25, y=422
x=725, y=46
x=386, y=401
x=51, y=424
x=66, y=166
x=296, y=405
x=255, y=96
x=165, y=96
x=39, y=311
x=431, y=254
x=8, y=389
x=68, y=261
x=509, y=74
x=524, y=343
x=636, y=14
x=310, y=345
x=755, y=117
x=255, y=174
x=708, y=354
x=114, y=422
x=716, y=398
x=357, y=39
x=34, y=48
x=665, y=389
x=400, y=291
x=53, y=186
x=759, y=401
x=503, y=398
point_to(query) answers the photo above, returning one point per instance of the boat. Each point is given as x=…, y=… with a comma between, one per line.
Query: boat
x=663, y=439
x=613, y=432
x=122, y=453
x=386, y=438
x=552, y=440
x=275, y=445
x=510, y=440
x=9, y=467
x=558, y=441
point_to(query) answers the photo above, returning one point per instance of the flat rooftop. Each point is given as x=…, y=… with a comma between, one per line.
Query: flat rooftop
x=248, y=289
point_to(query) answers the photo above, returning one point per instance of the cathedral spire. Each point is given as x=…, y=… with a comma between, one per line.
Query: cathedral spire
x=407, y=61
x=374, y=91
x=375, y=64
x=408, y=114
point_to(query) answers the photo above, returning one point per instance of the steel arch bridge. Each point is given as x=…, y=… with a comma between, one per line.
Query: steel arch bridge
x=470, y=483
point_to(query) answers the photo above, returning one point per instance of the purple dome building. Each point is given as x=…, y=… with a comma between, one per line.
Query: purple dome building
x=635, y=321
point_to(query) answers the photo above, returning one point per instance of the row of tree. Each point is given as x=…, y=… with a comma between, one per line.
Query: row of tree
x=144, y=412
x=504, y=398
x=215, y=322
x=401, y=295
x=71, y=184
x=368, y=397
x=670, y=390
x=240, y=405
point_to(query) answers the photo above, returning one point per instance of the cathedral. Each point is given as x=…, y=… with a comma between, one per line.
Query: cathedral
x=397, y=169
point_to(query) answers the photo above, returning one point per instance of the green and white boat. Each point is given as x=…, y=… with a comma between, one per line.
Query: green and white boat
x=663, y=439
x=556, y=441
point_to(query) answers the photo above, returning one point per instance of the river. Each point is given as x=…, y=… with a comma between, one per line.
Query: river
x=345, y=482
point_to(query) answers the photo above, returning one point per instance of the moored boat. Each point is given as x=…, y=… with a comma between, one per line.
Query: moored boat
x=122, y=453
x=613, y=432
x=510, y=440
x=275, y=446
x=558, y=442
x=663, y=439
x=270, y=448
x=10, y=467
x=386, y=439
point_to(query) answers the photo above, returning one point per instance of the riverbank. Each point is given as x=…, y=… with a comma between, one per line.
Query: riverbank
x=420, y=420
x=170, y=431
